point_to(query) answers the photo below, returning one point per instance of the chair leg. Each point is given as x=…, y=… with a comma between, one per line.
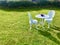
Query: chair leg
x=49, y=22
x=36, y=26
x=30, y=26
x=48, y=25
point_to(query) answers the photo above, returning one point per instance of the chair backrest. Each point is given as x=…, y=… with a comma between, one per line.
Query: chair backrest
x=30, y=17
x=51, y=14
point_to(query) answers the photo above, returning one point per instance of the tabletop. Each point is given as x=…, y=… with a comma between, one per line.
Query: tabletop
x=41, y=16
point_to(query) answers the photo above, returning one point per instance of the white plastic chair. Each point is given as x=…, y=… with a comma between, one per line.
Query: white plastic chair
x=51, y=15
x=32, y=21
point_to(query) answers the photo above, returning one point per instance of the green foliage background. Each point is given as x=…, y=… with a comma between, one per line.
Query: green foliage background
x=30, y=3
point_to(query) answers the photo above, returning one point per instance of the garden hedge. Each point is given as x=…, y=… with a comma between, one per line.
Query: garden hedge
x=12, y=4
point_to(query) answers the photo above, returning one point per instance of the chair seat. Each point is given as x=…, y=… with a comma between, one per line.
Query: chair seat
x=33, y=21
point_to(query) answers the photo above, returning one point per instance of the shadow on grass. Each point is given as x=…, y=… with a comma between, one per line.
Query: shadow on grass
x=48, y=35
x=24, y=9
x=56, y=28
x=58, y=35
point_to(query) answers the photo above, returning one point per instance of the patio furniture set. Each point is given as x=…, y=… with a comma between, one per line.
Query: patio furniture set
x=48, y=18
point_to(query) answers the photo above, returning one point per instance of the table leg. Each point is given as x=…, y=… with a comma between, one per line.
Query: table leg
x=42, y=22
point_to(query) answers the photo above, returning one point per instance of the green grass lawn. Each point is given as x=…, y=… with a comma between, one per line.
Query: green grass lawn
x=14, y=27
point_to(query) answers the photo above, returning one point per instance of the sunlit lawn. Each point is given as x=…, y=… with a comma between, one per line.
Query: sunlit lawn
x=14, y=27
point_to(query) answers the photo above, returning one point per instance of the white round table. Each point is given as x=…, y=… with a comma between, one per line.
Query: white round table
x=42, y=17
x=39, y=16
